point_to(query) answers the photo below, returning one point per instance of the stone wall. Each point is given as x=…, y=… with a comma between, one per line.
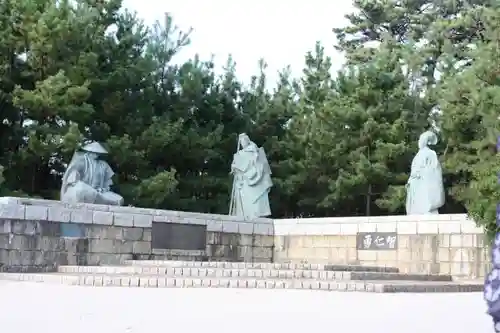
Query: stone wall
x=445, y=244
x=38, y=235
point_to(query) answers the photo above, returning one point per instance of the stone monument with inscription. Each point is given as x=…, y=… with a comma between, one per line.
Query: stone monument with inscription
x=252, y=181
x=88, y=178
x=425, y=190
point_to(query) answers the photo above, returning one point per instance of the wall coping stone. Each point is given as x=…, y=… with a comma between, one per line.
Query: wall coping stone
x=401, y=224
x=56, y=211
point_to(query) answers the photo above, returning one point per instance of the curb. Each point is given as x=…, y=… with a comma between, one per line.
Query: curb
x=145, y=281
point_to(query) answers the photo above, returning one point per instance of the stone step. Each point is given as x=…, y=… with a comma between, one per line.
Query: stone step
x=196, y=272
x=242, y=265
x=155, y=281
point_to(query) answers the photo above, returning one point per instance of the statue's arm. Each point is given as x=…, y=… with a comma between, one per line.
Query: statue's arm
x=108, y=181
x=257, y=172
x=73, y=177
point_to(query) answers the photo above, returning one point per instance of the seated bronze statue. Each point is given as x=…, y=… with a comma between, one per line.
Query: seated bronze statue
x=88, y=178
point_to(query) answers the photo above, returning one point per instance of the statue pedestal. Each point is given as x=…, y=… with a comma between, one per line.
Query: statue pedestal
x=37, y=234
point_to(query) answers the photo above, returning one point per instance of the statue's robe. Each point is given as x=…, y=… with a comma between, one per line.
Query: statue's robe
x=425, y=190
x=492, y=284
x=88, y=180
x=252, y=183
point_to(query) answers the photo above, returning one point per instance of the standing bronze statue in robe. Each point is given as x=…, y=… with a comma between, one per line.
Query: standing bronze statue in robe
x=425, y=190
x=252, y=181
x=88, y=178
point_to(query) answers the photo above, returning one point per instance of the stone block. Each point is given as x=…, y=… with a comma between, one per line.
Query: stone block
x=59, y=214
x=404, y=255
x=444, y=268
x=426, y=227
x=470, y=227
x=444, y=240
x=262, y=252
x=25, y=227
x=146, y=235
x=81, y=216
x=141, y=247
x=198, y=221
x=404, y=241
x=265, y=229
x=50, y=229
x=71, y=245
x=215, y=251
x=132, y=210
x=280, y=243
x=102, y=231
x=12, y=211
x=5, y=226
x=4, y=256
x=456, y=241
x=89, y=259
x=132, y=234
x=72, y=259
x=367, y=256
x=319, y=241
x=123, y=219
x=449, y=228
x=102, y=218
x=167, y=216
x=213, y=237
x=263, y=241
x=214, y=226
x=51, y=244
x=15, y=258
x=229, y=227
x=6, y=241
x=322, y=254
x=387, y=256
x=101, y=246
x=407, y=228
x=366, y=227
x=50, y=257
x=23, y=242
x=245, y=240
x=350, y=241
x=229, y=239
x=469, y=241
x=245, y=228
x=348, y=229
x=245, y=253
x=36, y=213
x=123, y=246
x=142, y=220
x=386, y=226
x=38, y=258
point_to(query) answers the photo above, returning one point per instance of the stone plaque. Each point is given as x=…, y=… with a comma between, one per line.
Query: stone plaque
x=178, y=236
x=377, y=241
x=73, y=230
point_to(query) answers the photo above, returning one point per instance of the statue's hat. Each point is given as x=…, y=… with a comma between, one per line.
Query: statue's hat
x=95, y=147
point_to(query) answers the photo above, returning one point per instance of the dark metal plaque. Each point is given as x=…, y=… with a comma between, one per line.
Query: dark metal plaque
x=377, y=241
x=178, y=236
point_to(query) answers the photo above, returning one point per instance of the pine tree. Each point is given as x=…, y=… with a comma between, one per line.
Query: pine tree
x=470, y=100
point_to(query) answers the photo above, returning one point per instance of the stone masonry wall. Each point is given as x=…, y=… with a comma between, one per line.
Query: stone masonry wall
x=445, y=244
x=39, y=235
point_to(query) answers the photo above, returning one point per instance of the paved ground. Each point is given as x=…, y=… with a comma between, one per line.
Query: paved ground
x=43, y=308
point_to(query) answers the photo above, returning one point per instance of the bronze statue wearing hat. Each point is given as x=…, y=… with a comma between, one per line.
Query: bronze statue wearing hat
x=88, y=178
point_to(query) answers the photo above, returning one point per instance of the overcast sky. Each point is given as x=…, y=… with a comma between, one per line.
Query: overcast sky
x=281, y=32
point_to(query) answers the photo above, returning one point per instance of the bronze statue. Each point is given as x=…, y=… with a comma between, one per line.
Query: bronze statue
x=88, y=178
x=252, y=181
